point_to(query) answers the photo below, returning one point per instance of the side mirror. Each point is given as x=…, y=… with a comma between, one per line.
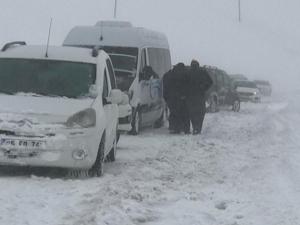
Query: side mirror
x=115, y=97
x=93, y=91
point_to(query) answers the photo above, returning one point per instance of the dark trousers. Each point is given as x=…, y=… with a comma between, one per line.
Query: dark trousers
x=197, y=110
x=179, y=116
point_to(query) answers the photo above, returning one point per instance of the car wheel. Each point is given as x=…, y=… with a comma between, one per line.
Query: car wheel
x=213, y=105
x=111, y=157
x=136, y=123
x=97, y=168
x=236, y=106
x=160, y=122
x=118, y=136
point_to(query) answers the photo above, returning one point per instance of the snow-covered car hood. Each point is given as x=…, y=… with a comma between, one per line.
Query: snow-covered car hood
x=26, y=111
x=247, y=90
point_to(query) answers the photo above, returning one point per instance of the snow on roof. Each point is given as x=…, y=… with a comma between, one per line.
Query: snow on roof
x=54, y=53
x=115, y=33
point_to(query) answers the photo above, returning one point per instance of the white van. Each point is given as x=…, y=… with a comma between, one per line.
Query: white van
x=131, y=49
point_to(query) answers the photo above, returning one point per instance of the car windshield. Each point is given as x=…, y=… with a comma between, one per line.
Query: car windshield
x=125, y=69
x=46, y=77
x=247, y=84
x=124, y=60
x=262, y=82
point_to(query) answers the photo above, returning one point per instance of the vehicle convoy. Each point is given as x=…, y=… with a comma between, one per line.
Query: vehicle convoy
x=221, y=92
x=248, y=91
x=58, y=109
x=131, y=50
x=264, y=87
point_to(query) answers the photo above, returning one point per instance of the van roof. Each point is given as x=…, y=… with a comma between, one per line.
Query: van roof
x=115, y=33
x=54, y=53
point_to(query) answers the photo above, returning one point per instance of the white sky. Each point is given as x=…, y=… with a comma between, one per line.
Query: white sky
x=265, y=44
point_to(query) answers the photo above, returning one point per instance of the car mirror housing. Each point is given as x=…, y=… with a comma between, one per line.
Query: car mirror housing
x=93, y=91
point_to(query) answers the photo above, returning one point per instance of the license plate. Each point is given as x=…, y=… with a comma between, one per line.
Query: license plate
x=22, y=144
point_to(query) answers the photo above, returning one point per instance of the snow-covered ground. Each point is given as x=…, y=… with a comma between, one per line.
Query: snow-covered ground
x=244, y=169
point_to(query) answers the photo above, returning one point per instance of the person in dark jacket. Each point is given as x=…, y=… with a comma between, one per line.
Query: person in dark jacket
x=199, y=83
x=175, y=93
x=169, y=98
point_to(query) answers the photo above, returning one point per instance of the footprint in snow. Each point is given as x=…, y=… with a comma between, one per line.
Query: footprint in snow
x=221, y=205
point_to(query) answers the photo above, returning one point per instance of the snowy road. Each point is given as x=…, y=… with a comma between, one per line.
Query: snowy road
x=243, y=170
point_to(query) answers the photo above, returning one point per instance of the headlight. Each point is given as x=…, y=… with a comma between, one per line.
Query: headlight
x=254, y=93
x=85, y=119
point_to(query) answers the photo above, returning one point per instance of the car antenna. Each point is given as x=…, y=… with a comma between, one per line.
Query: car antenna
x=46, y=55
x=101, y=31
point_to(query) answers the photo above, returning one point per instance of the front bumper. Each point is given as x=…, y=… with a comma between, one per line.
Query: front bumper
x=59, y=150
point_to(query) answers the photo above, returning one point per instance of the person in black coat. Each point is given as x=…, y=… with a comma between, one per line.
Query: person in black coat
x=169, y=99
x=199, y=83
x=175, y=94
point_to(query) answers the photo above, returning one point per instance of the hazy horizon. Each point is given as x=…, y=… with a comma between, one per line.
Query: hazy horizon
x=264, y=45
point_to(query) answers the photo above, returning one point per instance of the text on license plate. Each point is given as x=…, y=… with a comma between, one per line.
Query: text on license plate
x=11, y=143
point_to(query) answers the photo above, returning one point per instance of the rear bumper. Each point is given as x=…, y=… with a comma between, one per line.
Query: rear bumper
x=252, y=98
x=60, y=151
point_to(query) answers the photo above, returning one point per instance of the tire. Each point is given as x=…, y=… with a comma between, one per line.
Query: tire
x=111, y=157
x=136, y=123
x=236, y=106
x=118, y=136
x=97, y=168
x=213, y=105
x=160, y=122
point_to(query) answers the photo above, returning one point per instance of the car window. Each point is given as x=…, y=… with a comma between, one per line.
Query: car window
x=226, y=81
x=105, y=85
x=143, y=60
x=219, y=80
x=46, y=77
x=111, y=74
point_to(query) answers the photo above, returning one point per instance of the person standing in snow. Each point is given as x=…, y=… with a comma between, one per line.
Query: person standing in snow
x=175, y=94
x=169, y=98
x=199, y=83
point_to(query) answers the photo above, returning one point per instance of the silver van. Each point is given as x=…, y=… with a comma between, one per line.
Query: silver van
x=131, y=49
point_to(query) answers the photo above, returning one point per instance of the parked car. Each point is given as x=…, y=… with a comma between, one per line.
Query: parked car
x=58, y=108
x=131, y=49
x=221, y=93
x=264, y=87
x=248, y=91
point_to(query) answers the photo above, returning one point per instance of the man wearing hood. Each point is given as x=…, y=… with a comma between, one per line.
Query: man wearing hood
x=199, y=83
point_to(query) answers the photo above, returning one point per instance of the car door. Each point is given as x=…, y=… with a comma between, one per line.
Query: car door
x=111, y=113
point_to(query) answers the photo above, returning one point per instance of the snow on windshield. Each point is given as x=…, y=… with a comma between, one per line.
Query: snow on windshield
x=46, y=78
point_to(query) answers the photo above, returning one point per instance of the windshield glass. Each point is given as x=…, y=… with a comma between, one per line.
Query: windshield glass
x=46, y=77
x=124, y=60
x=125, y=69
x=247, y=84
x=262, y=82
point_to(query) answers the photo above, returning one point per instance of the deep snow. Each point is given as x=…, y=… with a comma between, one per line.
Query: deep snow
x=242, y=170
